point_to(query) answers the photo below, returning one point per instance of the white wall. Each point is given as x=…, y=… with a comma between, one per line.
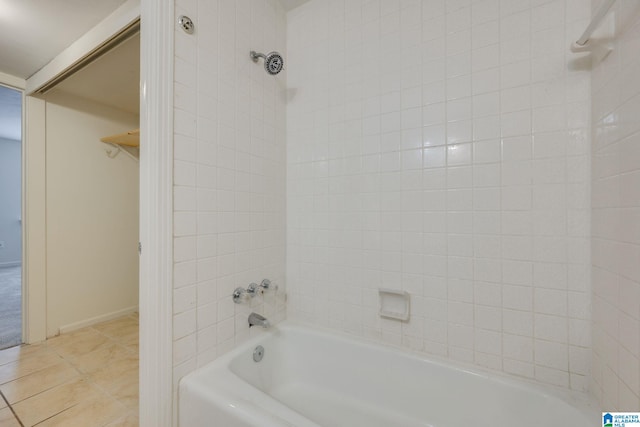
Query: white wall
x=92, y=214
x=10, y=202
x=229, y=175
x=442, y=147
x=616, y=216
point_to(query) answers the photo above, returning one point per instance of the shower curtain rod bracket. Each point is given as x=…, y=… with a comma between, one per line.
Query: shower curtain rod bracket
x=596, y=20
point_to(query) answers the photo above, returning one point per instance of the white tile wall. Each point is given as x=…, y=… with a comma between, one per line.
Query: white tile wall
x=616, y=215
x=229, y=181
x=442, y=147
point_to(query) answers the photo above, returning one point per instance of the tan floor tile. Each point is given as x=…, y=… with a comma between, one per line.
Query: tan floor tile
x=130, y=420
x=119, y=328
x=101, y=357
x=120, y=379
x=70, y=336
x=22, y=367
x=134, y=348
x=131, y=341
x=7, y=419
x=127, y=394
x=71, y=348
x=123, y=370
x=20, y=352
x=96, y=412
x=45, y=381
x=38, y=382
x=3, y=404
x=55, y=400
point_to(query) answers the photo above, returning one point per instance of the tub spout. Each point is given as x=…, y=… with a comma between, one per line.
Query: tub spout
x=256, y=319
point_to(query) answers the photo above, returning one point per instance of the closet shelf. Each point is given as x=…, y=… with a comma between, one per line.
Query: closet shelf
x=130, y=139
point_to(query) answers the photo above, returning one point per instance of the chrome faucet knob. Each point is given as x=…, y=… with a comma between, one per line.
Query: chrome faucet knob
x=239, y=295
x=252, y=289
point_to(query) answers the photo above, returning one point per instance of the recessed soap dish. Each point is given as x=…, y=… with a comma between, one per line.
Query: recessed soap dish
x=394, y=304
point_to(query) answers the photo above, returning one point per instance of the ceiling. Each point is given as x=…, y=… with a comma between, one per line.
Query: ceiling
x=33, y=32
x=10, y=113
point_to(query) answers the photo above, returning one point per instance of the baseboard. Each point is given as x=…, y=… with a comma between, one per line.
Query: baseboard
x=98, y=319
x=10, y=264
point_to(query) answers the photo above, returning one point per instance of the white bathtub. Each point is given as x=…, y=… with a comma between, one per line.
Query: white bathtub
x=311, y=378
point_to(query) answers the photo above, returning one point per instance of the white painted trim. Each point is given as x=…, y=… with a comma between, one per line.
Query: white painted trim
x=105, y=30
x=34, y=224
x=13, y=81
x=10, y=264
x=24, y=312
x=97, y=319
x=156, y=213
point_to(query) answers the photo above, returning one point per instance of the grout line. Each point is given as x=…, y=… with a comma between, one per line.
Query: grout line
x=11, y=409
x=85, y=376
x=57, y=413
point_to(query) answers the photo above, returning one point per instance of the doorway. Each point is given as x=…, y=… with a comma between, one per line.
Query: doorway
x=10, y=217
x=92, y=192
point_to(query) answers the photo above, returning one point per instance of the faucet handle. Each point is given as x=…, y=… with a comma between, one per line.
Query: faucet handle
x=252, y=289
x=239, y=295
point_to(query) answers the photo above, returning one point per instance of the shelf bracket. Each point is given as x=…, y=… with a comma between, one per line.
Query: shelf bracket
x=116, y=149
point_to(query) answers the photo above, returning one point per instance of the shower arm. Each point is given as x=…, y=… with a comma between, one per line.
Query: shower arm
x=255, y=55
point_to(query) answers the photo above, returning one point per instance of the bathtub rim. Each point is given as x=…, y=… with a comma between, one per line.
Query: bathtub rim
x=583, y=401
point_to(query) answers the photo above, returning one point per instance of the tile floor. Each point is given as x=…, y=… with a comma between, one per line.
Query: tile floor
x=85, y=378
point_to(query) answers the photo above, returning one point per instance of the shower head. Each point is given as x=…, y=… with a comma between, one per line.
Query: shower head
x=273, y=61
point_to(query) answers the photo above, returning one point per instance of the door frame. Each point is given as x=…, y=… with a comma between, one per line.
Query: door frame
x=156, y=214
x=34, y=290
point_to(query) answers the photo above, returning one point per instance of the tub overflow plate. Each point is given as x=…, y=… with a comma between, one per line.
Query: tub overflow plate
x=258, y=353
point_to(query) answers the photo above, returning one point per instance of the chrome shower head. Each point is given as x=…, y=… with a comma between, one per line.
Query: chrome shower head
x=273, y=62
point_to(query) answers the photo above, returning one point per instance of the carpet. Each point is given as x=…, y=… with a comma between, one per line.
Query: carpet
x=10, y=306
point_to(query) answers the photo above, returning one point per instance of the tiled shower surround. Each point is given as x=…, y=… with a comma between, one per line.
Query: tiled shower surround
x=439, y=147
x=616, y=216
x=229, y=175
x=443, y=148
